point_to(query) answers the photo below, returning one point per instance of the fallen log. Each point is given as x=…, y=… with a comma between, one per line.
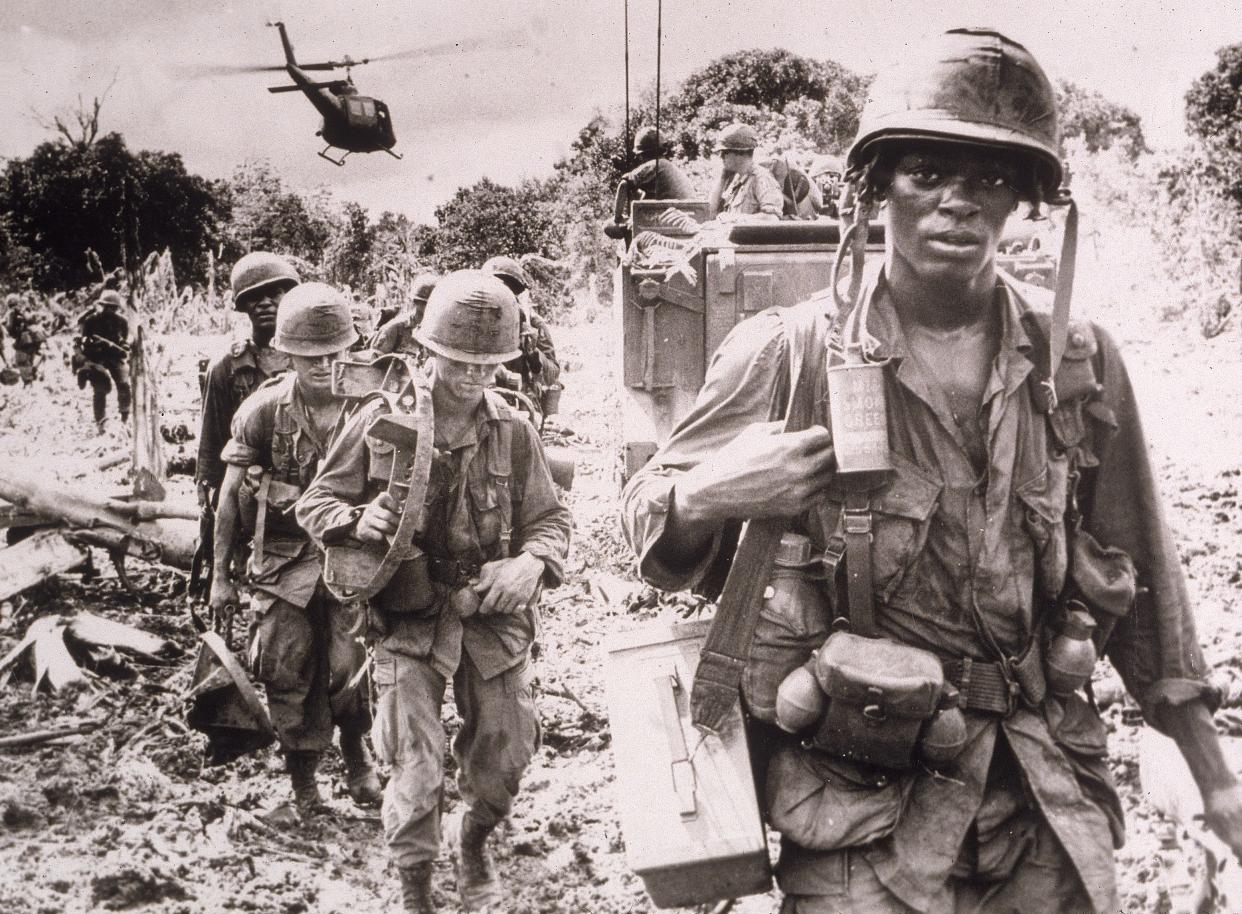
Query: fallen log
x=35, y=559
x=52, y=662
x=104, y=522
x=35, y=737
x=96, y=631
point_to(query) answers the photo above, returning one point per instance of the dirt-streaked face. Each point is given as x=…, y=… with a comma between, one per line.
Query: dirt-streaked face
x=947, y=208
x=315, y=371
x=464, y=382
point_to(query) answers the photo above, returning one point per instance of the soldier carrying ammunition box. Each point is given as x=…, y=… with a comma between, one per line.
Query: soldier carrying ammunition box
x=966, y=497
x=305, y=646
x=462, y=605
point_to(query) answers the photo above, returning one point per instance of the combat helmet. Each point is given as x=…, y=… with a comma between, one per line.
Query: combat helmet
x=646, y=142
x=737, y=138
x=313, y=320
x=506, y=268
x=471, y=317
x=969, y=85
x=111, y=298
x=424, y=285
x=258, y=269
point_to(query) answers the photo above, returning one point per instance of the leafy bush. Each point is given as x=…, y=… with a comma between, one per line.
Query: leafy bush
x=1214, y=116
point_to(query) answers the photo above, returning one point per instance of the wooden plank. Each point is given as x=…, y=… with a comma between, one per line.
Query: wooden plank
x=35, y=559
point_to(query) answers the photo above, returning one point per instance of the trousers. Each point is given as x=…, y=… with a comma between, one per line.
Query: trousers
x=118, y=370
x=310, y=662
x=498, y=737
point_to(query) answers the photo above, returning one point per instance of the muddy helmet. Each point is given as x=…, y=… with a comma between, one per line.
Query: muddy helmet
x=646, y=142
x=510, y=269
x=471, y=317
x=966, y=86
x=314, y=319
x=737, y=138
x=112, y=298
x=258, y=269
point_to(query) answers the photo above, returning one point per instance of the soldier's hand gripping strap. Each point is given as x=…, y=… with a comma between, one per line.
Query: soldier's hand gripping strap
x=354, y=570
x=719, y=674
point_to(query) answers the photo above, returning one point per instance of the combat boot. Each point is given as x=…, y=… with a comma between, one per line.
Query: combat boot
x=472, y=863
x=361, y=779
x=302, y=767
x=416, y=888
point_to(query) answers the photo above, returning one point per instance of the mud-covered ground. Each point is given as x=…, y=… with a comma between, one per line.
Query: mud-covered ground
x=127, y=817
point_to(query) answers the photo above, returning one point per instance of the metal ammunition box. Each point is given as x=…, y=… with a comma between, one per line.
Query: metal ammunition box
x=688, y=806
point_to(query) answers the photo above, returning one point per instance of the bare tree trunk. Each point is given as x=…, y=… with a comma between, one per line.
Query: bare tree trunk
x=35, y=559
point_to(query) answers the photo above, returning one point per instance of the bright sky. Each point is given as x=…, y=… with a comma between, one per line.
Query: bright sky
x=511, y=107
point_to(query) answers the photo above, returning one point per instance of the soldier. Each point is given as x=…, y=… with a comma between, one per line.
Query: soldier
x=493, y=533
x=101, y=356
x=259, y=280
x=398, y=334
x=656, y=177
x=964, y=551
x=825, y=173
x=303, y=644
x=536, y=372
x=802, y=197
x=27, y=336
x=742, y=187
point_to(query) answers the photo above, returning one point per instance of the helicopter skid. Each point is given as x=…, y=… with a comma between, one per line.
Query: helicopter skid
x=337, y=162
x=395, y=155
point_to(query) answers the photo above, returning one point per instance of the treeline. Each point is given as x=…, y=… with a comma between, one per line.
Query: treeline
x=67, y=197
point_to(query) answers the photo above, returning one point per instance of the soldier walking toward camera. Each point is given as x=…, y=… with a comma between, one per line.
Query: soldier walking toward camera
x=464, y=606
x=259, y=280
x=1012, y=515
x=398, y=334
x=537, y=371
x=102, y=355
x=743, y=188
x=305, y=647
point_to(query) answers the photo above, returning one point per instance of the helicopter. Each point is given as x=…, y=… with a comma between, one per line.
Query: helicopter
x=351, y=122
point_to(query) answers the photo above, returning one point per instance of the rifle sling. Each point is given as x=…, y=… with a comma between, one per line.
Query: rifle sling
x=727, y=647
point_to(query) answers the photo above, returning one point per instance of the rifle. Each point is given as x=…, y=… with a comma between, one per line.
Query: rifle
x=204, y=551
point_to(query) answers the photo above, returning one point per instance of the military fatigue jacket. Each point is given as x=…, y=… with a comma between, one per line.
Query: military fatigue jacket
x=482, y=504
x=396, y=336
x=272, y=430
x=753, y=192
x=954, y=538
x=230, y=379
x=660, y=179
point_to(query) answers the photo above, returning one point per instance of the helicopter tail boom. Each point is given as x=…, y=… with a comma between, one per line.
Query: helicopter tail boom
x=284, y=40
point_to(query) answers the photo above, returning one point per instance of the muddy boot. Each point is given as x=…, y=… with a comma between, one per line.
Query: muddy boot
x=416, y=888
x=302, y=767
x=361, y=779
x=466, y=840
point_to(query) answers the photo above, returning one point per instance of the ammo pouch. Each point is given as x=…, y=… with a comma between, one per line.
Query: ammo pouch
x=880, y=693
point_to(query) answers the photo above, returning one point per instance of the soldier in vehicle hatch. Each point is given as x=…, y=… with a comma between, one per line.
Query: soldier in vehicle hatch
x=1011, y=528
x=743, y=188
x=305, y=646
x=463, y=606
x=259, y=280
x=656, y=177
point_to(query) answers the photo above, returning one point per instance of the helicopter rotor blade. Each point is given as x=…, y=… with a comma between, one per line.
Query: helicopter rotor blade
x=228, y=70
x=327, y=65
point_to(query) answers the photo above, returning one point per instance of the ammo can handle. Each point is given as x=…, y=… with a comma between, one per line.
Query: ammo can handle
x=680, y=767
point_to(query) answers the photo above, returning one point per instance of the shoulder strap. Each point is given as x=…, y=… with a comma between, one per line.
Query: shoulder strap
x=727, y=646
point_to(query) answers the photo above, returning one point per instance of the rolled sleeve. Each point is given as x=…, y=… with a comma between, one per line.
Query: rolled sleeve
x=744, y=385
x=769, y=198
x=252, y=429
x=218, y=407
x=1155, y=647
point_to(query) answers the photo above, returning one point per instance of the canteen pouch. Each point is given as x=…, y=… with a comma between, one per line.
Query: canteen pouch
x=409, y=591
x=1105, y=580
x=879, y=694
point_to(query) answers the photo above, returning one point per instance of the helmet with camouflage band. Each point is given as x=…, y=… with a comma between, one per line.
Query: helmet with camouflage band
x=471, y=317
x=257, y=270
x=313, y=320
x=966, y=86
x=510, y=271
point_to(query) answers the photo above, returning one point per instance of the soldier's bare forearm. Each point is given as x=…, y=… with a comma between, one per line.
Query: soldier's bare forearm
x=225, y=538
x=1191, y=727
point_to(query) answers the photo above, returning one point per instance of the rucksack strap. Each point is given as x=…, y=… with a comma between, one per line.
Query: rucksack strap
x=725, y=652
